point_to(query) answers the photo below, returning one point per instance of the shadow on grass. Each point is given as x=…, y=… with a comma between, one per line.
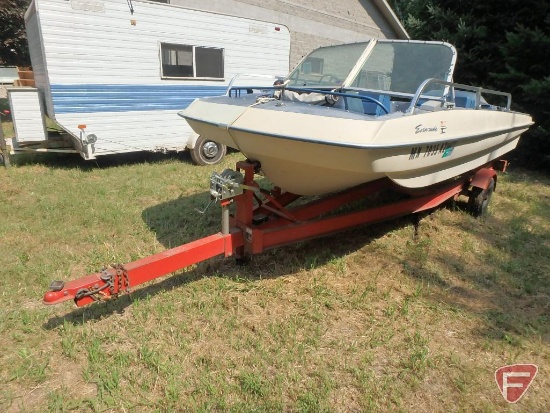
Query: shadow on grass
x=518, y=278
x=100, y=310
x=509, y=275
x=511, y=271
x=175, y=225
x=75, y=161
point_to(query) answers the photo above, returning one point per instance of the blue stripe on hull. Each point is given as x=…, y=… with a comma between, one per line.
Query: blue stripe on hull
x=126, y=98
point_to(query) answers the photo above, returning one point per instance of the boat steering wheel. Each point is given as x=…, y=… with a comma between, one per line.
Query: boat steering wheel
x=331, y=78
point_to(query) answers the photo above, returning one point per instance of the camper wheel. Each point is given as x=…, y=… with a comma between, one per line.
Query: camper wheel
x=4, y=158
x=207, y=152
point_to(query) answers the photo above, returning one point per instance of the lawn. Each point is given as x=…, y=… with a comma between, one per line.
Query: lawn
x=373, y=319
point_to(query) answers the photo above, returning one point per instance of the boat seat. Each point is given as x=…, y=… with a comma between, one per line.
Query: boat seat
x=431, y=105
x=464, y=99
x=367, y=107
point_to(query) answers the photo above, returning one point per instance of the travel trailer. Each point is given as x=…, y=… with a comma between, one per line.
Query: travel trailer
x=114, y=73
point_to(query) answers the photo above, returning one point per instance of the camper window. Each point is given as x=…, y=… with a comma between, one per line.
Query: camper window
x=184, y=61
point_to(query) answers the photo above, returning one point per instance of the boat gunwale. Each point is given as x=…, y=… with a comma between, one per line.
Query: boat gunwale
x=484, y=135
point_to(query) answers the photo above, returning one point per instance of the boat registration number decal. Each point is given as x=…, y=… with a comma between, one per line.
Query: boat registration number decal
x=445, y=149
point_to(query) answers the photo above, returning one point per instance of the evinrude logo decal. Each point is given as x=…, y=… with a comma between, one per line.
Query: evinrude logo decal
x=445, y=149
x=423, y=129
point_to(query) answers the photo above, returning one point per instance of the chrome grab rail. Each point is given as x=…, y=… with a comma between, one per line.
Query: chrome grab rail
x=451, y=86
x=231, y=86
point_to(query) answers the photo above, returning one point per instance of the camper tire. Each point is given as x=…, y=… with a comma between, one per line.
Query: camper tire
x=4, y=159
x=478, y=202
x=207, y=152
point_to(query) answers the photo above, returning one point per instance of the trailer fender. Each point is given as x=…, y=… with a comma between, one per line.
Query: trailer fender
x=482, y=179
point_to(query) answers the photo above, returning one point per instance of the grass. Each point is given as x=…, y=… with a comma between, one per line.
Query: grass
x=374, y=319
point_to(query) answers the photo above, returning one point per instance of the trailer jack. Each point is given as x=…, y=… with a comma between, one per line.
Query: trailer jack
x=260, y=220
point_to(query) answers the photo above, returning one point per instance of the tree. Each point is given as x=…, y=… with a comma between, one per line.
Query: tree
x=502, y=45
x=14, y=49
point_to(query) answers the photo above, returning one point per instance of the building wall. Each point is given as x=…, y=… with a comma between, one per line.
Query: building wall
x=312, y=23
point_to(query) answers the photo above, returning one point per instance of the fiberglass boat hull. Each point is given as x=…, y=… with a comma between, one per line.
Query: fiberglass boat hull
x=326, y=149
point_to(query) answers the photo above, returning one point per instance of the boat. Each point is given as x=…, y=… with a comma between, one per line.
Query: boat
x=354, y=113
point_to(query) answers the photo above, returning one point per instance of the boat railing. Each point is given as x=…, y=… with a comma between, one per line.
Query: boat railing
x=235, y=91
x=346, y=95
x=258, y=78
x=422, y=94
x=449, y=96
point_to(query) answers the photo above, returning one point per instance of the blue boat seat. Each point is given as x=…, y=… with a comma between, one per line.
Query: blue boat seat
x=368, y=107
x=465, y=99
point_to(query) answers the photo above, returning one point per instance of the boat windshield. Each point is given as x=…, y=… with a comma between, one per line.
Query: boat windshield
x=395, y=66
x=402, y=66
x=327, y=66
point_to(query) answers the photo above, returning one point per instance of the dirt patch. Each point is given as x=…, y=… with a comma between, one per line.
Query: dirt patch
x=66, y=380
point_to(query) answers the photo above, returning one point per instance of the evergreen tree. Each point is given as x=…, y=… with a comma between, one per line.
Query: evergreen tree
x=14, y=49
x=502, y=45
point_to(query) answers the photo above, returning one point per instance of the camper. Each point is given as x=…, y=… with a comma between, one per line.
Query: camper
x=114, y=73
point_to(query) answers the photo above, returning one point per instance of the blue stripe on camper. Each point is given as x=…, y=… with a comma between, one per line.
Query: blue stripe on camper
x=126, y=98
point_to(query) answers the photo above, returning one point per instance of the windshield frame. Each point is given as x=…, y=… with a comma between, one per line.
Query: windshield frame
x=370, y=46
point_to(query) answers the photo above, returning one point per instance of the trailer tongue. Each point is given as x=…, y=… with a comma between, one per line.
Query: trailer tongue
x=263, y=219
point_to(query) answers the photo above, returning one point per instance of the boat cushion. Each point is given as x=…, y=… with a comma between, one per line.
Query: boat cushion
x=465, y=99
x=372, y=108
x=431, y=105
x=368, y=107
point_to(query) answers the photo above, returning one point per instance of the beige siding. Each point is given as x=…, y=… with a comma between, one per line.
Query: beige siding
x=361, y=16
x=312, y=23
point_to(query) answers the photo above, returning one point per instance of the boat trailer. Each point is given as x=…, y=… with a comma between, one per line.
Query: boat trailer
x=254, y=219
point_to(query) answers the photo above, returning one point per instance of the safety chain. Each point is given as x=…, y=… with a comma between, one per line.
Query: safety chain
x=121, y=278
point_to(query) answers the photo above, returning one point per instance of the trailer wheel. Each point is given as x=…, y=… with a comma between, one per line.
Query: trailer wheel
x=478, y=202
x=207, y=152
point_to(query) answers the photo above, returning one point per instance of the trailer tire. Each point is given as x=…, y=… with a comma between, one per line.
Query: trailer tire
x=207, y=152
x=478, y=202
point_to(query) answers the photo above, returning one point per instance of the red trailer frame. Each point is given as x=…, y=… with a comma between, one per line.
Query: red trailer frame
x=263, y=219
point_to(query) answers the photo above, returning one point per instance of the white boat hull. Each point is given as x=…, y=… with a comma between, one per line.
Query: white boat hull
x=321, y=151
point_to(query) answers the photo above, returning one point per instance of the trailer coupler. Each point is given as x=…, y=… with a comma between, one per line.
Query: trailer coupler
x=110, y=284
